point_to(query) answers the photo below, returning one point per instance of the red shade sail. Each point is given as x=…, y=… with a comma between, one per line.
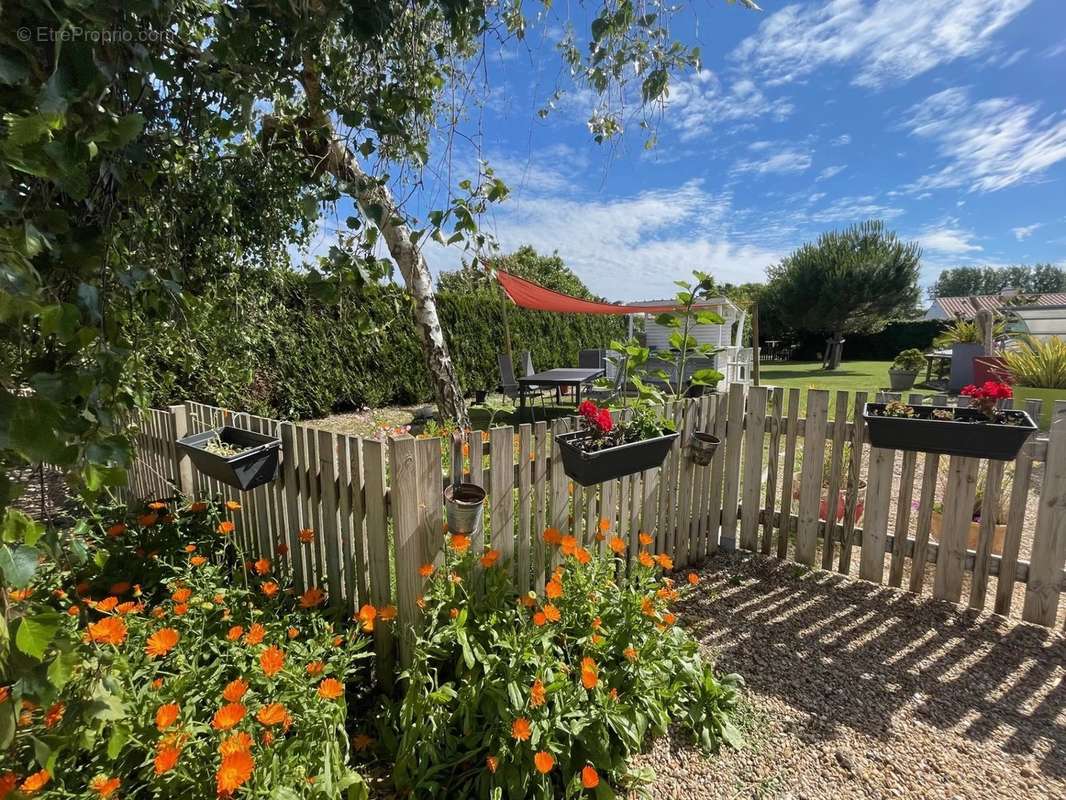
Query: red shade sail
x=527, y=294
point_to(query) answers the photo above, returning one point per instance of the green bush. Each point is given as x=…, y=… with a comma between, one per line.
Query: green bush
x=269, y=343
x=1036, y=363
x=910, y=360
x=526, y=696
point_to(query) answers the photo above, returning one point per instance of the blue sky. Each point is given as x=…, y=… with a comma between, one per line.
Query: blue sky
x=945, y=118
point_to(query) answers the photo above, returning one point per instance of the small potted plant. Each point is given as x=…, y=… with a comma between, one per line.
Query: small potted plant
x=999, y=528
x=233, y=456
x=905, y=369
x=601, y=450
x=840, y=503
x=981, y=431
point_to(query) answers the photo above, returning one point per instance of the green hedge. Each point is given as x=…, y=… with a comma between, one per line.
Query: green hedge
x=266, y=343
x=882, y=346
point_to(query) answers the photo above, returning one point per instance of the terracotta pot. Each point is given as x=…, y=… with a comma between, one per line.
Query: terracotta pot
x=998, y=533
x=842, y=500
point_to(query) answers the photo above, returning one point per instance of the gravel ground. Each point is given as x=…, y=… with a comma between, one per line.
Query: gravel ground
x=857, y=690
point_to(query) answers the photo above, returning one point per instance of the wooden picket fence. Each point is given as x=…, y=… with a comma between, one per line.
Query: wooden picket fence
x=377, y=511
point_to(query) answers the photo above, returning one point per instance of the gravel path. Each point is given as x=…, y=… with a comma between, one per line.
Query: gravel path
x=856, y=690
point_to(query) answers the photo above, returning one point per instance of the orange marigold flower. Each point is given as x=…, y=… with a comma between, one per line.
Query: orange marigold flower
x=233, y=505
x=282, y=549
x=312, y=597
x=330, y=689
x=605, y=524
x=589, y=673
x=262, y=566
x=269, y=588
x=255, y=634
x=234, y=771
x=453, y=613
x=18, y=595
x=166, y=715
x=147, y=520
x=104, y=786
x=387, y=614
x=425, y=570
x=644, y=538
x=35, y=782
x=306, y=535
x=106, y=605
x=539, y=619
x=238, y=742
x=109, y=630
x=553, y=588
x=117, y=529
x=597, y=639
x=198, y=507
x=228, y=716
x=614, y=695
x=226, y=527
x=669, y=618
x=491, y=762
x=273, y=714
x=693, y=578
x=162, y=642
x=361, y=742
x=664, y=561
x=544, y=762
x=460, y=541
x=129, y=607
x=552, y=613
x=54, y=714
x=157, y=505
x=166, y=758
x=590, y=779
x=645, y=559
x=600, y=536
x=520, y=729
x=190, y=548
x=568, y=544
x=119, y=588
x=537, y=694
x=271, y=660
x=366, y=616
x=235, y=633
x=552, y=536
x=315, y=668
x=181, y=609
x=490, y=558
x=235, y=690
x=647, y=608
x=582, y=555
x=197, y=561
x=293, y=632
x=618, y=545
x=630, y=653
x=596, y=623
x=73, y=611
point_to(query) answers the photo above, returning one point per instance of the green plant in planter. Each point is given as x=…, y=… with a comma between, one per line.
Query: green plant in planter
x=1036, y=363
x=897, y=409
x=963, y=331
x=910, y=360
x=527, y=696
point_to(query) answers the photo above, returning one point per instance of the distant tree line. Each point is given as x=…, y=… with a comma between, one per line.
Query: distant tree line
x=965, y=281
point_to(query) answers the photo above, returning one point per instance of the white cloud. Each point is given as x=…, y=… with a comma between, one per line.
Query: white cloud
x=840, y=141
x=829, y=172
x=773, y=158
x=1025, y=231
x=891, y=40
x=633, y=247
x=989, y=145
x=697, y=105
x=948, y=239
x=548, y=170
x=850, y=210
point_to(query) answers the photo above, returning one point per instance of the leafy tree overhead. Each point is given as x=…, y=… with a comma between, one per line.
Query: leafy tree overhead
x=210, y=134
x=548, y=271
x=965, y=281
x=848, y=281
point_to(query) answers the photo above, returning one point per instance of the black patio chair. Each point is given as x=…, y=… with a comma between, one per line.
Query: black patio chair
x=512, y=389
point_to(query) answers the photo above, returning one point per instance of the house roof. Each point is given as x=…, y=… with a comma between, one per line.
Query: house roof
x=963, y=307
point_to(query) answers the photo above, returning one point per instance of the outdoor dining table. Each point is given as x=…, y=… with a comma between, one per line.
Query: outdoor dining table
x=562, y=376
x=941, y=356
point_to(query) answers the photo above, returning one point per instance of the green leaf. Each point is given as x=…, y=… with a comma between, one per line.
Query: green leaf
x=62, y=667
x=18, y=565
x=19, y=527
x=732, y=735
x=120, y=734
x=127, y=129
x=8, y=719
x=35, y=633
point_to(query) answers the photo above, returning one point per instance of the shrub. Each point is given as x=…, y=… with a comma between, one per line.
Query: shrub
x=962, y=331
x=526, y=696
x=1036, y=363
x=176, y=680
x=911, y=360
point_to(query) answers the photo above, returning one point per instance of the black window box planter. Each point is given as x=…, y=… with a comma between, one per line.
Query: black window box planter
x=950, y=437
x=246, y=470
x=612, y=462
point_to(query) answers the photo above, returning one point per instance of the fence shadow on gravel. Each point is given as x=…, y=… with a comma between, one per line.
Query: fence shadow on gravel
x=853, y=654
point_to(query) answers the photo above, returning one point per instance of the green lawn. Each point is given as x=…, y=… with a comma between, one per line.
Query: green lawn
x=851, y=376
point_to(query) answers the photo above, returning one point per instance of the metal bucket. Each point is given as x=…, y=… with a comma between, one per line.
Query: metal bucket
x=701, y=448
x=463, y=504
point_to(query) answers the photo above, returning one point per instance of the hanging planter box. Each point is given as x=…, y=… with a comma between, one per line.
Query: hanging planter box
x=256, y=462
x=589, y=468
x=969, y=434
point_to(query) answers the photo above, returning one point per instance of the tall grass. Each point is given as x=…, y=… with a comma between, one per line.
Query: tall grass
x=1036, y=363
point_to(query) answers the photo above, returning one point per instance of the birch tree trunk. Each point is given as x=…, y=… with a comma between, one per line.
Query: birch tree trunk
x=319, y=140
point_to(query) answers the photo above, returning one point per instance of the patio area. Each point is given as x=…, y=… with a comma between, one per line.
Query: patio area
x=858, y=690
